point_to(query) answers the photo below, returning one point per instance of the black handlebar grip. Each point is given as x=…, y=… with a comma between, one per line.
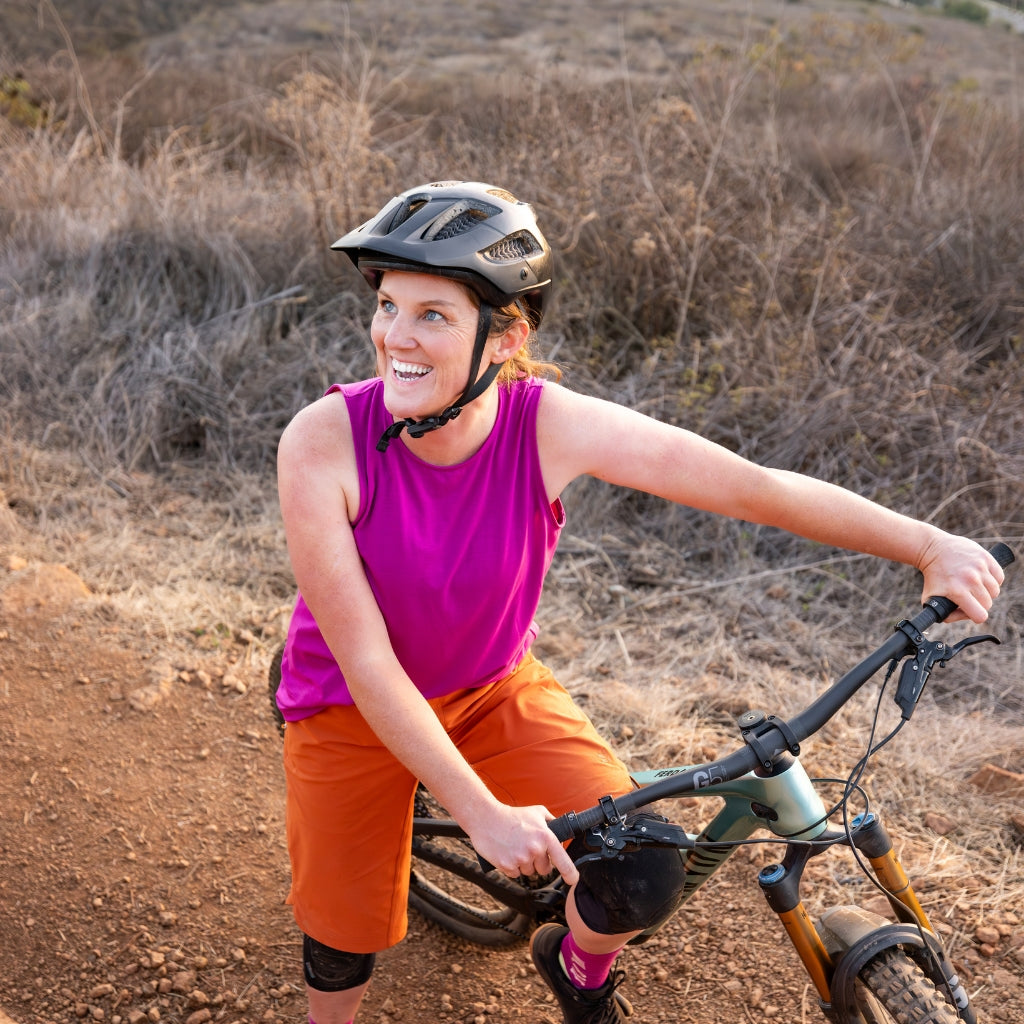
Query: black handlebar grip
x=570, y=825
x=561, y=827
x=943, y=607
x=1002, y=554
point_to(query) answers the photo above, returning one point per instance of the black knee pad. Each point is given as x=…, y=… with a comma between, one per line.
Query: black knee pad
x=331, y=970
x=639, y=889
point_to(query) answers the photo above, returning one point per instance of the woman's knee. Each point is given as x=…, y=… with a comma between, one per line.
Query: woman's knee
x=333, y=970
x=637, y=890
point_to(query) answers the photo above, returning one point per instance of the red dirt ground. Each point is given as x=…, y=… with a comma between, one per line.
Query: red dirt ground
x=143, y=866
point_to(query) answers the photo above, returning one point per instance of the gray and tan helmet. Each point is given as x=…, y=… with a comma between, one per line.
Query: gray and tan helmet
x=478, y=234
x=466, y=230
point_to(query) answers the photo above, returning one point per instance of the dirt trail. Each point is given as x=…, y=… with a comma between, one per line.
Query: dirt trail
x=143, y=867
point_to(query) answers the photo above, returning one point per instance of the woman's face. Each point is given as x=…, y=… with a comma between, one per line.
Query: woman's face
x=423, y=330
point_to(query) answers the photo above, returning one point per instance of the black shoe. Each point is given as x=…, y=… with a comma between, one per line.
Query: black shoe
x=579, y=1005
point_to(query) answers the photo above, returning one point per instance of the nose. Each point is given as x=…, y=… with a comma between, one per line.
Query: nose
x=399, y=332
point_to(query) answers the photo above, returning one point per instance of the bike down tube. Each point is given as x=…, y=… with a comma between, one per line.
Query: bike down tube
x=785, y=804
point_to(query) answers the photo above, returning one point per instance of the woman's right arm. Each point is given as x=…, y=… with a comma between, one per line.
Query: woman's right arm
x=318, y=489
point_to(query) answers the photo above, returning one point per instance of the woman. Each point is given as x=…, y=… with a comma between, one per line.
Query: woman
x=422, y=511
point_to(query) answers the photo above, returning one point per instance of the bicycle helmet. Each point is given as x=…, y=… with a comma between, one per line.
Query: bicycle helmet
x=467, y=231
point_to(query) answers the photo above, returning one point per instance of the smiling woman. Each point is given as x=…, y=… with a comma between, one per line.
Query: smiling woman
x=471, y=233
x=422, y=509
x=423, y=331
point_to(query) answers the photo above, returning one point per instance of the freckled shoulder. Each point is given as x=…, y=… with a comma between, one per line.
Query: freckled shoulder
x=323, y=424
x=317, y=449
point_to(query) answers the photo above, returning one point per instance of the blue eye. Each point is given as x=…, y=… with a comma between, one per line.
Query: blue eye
x=432, y=314
x=386, y=306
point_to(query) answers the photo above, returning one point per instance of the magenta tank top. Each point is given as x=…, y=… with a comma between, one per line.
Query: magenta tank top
x=455, y=555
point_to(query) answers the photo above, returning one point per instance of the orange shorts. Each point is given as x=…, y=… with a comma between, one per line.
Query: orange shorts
x=349, y=808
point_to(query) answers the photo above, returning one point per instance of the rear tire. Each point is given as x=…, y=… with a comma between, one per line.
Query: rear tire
x=446, y=887
x=456, y=903
x=273, y=682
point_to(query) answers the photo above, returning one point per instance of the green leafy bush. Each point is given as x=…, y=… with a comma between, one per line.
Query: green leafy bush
x=967, y=10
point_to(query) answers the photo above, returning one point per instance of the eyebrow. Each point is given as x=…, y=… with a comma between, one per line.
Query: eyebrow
x=383, y=292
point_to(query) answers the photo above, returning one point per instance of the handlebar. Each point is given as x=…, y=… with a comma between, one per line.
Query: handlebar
x=768, y=738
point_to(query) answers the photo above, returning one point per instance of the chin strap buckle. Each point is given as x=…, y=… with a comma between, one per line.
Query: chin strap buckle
x=417, y=428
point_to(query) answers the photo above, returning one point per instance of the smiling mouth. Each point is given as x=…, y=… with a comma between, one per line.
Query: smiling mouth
x=409, y=371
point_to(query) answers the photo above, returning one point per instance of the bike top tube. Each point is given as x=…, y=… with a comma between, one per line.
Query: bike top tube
x=768, y=738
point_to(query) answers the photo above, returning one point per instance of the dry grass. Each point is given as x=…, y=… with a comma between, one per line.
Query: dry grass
x=800, y=243
x=796, y=230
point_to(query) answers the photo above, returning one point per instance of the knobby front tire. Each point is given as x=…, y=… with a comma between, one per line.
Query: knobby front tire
x=892, y=989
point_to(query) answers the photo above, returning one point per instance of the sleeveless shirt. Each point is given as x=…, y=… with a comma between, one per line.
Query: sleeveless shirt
x=455, y=555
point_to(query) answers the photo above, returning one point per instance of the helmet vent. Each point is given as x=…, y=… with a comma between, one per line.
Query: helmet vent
x=459, y=225
x=458, y=219
x=402, y=214
x=500, y=193
x=517, y=246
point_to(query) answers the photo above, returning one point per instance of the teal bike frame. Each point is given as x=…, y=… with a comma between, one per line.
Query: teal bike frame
x=783, y=800
x=787, y=805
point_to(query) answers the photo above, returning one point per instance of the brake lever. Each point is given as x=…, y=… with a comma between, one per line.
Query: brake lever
x=613, y=840
x=927, y=655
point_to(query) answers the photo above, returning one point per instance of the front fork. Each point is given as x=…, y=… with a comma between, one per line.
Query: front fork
x=780, y=884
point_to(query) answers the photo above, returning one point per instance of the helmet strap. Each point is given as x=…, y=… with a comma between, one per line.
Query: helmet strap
x=474, y=388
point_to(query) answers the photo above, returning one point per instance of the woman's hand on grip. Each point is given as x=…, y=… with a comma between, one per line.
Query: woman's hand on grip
x=517, y=841
x=963, y=571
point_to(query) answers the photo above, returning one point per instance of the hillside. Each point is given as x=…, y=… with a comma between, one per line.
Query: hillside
x=793, y=227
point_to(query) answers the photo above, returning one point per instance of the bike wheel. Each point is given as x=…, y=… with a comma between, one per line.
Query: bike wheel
x=273, y=682
x=893, y=989
x=448, y=886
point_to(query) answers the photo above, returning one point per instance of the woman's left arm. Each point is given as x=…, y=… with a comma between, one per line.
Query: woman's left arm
x=580, y=435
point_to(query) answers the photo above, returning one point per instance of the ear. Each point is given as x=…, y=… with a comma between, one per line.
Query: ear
x=509, y=343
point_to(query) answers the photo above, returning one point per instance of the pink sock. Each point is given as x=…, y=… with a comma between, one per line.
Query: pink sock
x=585, y=970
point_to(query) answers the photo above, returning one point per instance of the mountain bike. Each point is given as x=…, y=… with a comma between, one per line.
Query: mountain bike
x=866, y=968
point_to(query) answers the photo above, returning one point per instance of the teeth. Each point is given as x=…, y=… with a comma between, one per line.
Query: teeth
x=409, y=369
